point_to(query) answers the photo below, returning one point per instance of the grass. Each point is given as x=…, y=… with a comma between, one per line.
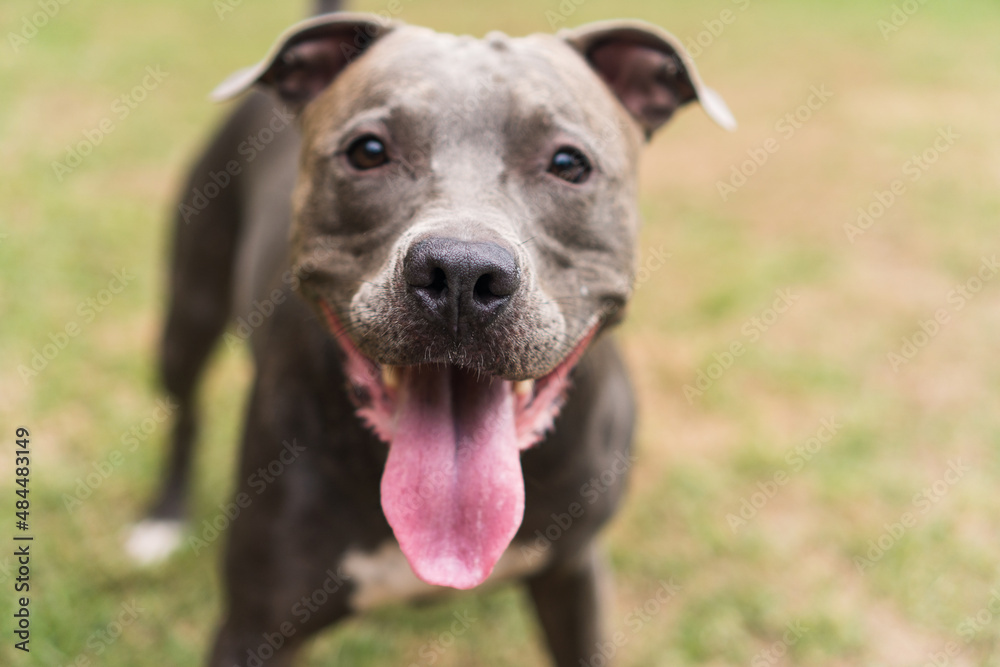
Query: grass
x=794, y=561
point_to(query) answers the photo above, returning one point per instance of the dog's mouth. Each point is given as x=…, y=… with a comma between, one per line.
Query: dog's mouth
x=452, y=490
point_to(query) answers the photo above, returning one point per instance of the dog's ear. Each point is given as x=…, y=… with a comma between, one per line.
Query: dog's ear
x=307, y=57
x=647, y=69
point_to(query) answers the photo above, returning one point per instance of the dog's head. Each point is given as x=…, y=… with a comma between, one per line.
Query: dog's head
x=465, y=220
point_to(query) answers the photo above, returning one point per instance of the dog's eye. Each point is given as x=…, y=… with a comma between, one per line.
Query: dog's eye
x=367, y=152
x=570, y=165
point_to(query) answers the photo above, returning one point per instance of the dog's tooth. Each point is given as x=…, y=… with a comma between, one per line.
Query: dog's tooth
x=524, y=387
x=390, y=376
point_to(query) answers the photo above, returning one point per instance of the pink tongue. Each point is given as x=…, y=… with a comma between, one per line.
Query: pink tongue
x=452, y=489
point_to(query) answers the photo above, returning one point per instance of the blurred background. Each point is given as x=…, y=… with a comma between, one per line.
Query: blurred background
x=813, y=338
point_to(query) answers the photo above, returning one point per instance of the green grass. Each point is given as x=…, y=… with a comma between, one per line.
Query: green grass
x=793, y=562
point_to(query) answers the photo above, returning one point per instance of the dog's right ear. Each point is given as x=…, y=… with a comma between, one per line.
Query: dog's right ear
x=307, y=57
x=647, y=69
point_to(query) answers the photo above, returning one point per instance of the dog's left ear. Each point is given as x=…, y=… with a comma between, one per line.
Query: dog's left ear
x=647, y=69
x=307, y=57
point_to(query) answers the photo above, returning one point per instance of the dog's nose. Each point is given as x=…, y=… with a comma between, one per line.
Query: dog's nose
x=461, y=282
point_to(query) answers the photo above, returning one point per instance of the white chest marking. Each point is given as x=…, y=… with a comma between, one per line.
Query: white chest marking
x=383, y=576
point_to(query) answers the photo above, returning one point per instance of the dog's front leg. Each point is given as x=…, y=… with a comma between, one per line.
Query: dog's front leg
x=295, y=511
x=239, y=645
x=568, y=598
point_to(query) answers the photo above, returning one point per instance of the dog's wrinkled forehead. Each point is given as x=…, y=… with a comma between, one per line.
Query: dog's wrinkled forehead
x=577, y=72
x=467, y=86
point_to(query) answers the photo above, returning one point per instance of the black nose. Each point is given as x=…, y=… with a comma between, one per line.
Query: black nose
x=461, y=283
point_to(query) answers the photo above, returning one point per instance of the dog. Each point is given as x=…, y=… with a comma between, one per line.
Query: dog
x=425, y=238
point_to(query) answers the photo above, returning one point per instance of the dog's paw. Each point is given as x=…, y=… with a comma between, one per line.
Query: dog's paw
x=152, y=541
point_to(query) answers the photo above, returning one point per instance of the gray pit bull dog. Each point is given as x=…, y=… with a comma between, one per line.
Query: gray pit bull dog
x=433, y=251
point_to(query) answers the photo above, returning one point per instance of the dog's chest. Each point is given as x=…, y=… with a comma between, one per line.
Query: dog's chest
x=383, y=576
